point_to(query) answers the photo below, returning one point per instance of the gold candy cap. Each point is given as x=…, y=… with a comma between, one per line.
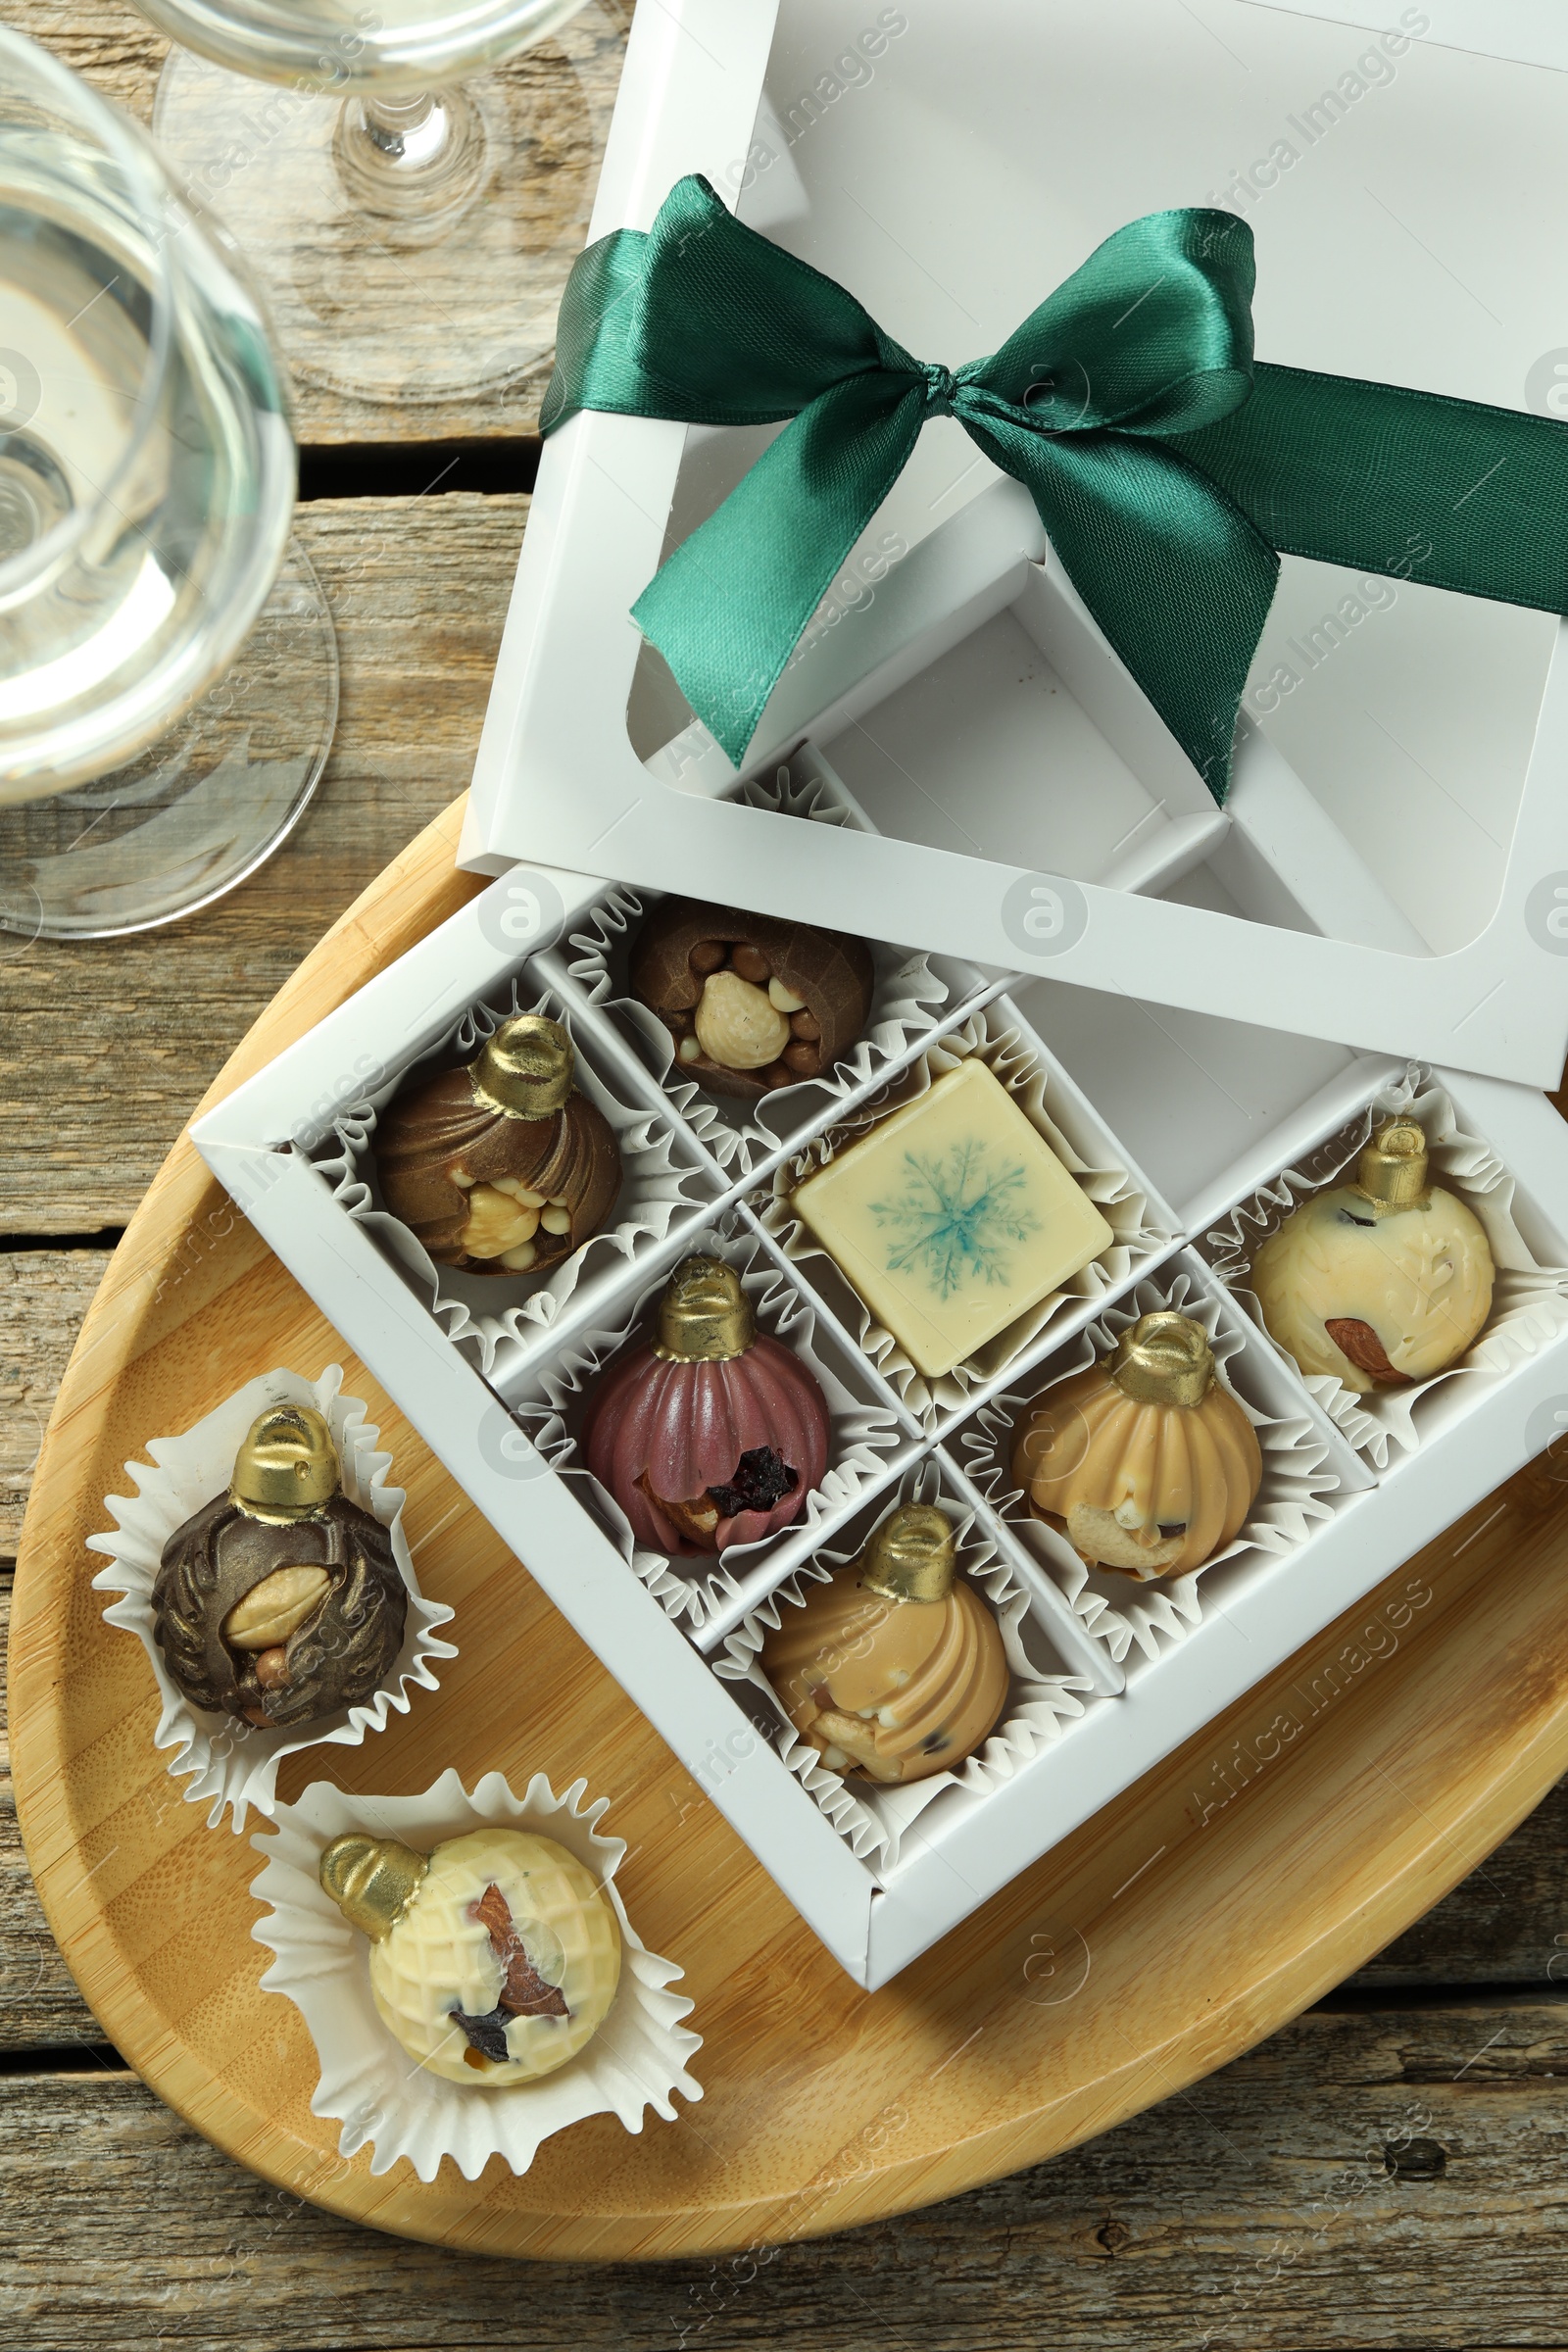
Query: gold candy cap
x=1164, y=1358
x=525, y=1070
x=287, y=1467
x=371, y=1879
x=1391, y=1170
x=705, y=1318
x=914, y=1555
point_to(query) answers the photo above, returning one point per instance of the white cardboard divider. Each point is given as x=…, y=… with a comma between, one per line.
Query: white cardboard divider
x=1532, y=32
x=259, y=1142
x=1038, y=830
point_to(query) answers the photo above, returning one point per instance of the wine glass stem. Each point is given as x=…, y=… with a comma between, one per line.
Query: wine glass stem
x=410, y=159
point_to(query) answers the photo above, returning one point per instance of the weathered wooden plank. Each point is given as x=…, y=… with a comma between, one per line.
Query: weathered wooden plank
x=105, y=1047
x=40, y=2008
x=1359, y=2182
x=43, y=1295
x=568, y=87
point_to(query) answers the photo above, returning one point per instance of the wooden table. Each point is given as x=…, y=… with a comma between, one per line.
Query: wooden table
x=1284, y=2202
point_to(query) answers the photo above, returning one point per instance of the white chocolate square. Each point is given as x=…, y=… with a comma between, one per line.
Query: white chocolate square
x=952, y=1218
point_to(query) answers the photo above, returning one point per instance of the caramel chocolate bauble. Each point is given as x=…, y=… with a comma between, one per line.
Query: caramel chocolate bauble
x=281, y=1601
x=494, y=1958
x=502, y=1167
x=1381, y=1281
x=753, y=1003
x=1144, y=1460
x=713, y=1435
x=895, y=1669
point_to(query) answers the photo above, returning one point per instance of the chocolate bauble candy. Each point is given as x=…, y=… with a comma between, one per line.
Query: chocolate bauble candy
x=713, y=1434
x=1144, y=1460
x=281, y=1601
x=895, y=1669
x=494, y=1959
x=1381, y=1281
x=753, y=1003
x=502, y=1167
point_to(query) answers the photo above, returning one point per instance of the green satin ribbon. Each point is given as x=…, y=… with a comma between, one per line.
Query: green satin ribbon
x=1167, y=467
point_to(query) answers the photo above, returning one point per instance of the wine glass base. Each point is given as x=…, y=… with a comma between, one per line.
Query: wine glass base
x=203, y=806
x=403, y=303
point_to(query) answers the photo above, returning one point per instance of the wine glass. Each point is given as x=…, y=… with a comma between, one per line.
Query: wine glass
x=414, y=229
x=146, y=486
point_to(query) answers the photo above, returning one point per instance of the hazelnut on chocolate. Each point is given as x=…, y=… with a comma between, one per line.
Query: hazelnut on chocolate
x=281, y=1601
x=753, y=1003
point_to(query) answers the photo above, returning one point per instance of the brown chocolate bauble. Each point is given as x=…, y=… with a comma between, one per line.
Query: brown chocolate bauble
x=894, y=1669
x=753, y=1003
x=502, y=1167
x=281, y=1601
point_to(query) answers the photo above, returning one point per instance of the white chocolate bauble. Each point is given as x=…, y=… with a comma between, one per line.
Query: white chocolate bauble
x=1419, y=1277
x=439, y=1956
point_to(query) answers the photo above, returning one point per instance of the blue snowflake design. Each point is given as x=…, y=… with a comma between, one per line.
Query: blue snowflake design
x=957, y=1218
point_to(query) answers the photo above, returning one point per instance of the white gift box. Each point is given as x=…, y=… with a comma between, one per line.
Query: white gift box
x=1175, y=1121
x=1392, y=866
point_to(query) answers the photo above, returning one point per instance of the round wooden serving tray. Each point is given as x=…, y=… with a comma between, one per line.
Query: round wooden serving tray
x=1225, y=1893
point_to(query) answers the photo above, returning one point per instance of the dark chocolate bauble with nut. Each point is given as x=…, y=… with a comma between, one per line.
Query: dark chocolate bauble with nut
x=281, y=1601
x=753, y=1003
x=500, y=1167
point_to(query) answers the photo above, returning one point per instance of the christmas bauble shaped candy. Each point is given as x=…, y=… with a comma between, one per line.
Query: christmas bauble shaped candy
x=494, y=1959
x=281, y=1601
x=1381, y=1281
x=753, y=1003
x=713, y=1435
x=502, y=1167
x=1144, y=1460
x=895, y=1669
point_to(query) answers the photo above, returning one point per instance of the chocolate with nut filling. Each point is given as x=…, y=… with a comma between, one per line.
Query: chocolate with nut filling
x=753, y=1003
x=502, y=1167
x=280, y=1600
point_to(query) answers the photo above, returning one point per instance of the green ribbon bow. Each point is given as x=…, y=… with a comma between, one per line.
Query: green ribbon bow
x=1166, y=466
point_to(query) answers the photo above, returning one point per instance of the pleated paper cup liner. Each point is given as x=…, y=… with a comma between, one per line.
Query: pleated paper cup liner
x=227, y=1764
x=865, y=1435
x=998, y=1037
x=384, y=2098
x=878, y=1823
x=909, y=1000
x=490, y=1309
x=1296, y=1495
x=1529, y=1300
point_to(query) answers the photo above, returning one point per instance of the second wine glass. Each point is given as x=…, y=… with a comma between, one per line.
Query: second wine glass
x=413, y=214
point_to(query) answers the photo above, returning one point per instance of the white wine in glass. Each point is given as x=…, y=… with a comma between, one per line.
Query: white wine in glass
x=149, y=604
x=412, y=214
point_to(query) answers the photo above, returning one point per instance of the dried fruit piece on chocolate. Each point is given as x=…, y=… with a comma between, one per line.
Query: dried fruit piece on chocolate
x=753, y=1003
x=486, y=2035
x=524, y=1991
x=1361, y=1342
x=763, y=1477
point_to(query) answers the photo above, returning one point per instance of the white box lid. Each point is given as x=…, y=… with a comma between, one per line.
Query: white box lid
x=1392, y=867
